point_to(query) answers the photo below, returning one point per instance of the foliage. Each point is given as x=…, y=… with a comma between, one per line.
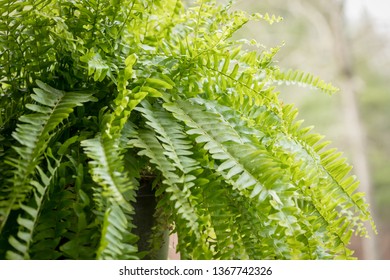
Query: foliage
x=97, y=96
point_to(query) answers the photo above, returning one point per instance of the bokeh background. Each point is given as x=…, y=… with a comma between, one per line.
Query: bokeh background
x=346, y=42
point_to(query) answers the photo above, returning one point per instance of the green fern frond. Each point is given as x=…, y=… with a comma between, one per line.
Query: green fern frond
x=301, y=78
x=226, y=234
x=96, y=65
x=116, y=241
x=34, y=132
x=28, y=221
x=148, y=143
x=305, y=149
x=79, y=236
x=113, y=197
x=176, y=144
x=107, y=171
x=271, y=19
x=220, y=139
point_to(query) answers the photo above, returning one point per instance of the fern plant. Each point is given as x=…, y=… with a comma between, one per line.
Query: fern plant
x=100, y=99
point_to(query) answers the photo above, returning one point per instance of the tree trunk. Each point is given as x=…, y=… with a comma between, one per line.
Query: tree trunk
x=354, y=130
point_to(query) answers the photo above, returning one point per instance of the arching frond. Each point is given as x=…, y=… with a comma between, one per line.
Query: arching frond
x=33, y=133
x=302, y=78
x=113, y=199
x=28, y=222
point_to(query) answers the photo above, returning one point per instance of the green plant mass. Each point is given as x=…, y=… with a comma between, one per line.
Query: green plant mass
x=102, y=99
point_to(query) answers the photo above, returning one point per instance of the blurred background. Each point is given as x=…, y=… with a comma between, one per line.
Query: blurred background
x=346, y=42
